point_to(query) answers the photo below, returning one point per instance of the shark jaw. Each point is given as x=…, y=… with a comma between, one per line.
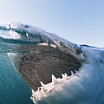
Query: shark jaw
x=57, y=85
x=84, y=85
x=70, y=88
x=78, y=88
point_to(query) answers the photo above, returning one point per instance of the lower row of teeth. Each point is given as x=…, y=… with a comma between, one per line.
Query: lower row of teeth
x=55, y=85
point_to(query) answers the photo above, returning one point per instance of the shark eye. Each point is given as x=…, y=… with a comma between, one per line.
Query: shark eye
x=45, y=61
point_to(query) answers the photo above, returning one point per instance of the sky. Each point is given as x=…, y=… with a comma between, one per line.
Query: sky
x=79, y=21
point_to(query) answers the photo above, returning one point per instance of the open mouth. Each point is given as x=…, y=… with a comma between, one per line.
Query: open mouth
x=58, y=71
x=46, y=65
x=46, y=61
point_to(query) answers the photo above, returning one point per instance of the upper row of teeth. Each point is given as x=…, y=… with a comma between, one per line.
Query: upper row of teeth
x=45, y=88
x=46, y=44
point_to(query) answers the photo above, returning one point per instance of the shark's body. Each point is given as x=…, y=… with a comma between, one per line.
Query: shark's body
x=84, y=84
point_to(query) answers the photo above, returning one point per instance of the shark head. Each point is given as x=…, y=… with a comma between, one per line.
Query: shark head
x=57, y=71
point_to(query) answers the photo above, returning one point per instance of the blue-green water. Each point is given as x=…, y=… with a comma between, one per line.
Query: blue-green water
x=13, y=89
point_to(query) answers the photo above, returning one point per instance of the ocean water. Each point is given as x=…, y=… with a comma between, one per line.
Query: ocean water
x=13, y=89
x=87, y=87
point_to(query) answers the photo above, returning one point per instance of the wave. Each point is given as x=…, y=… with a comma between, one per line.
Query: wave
x=57, y=71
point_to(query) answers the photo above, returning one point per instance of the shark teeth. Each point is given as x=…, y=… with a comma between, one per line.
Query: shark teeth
x=43, y=90
x=54, y=80
x=46, y=44
x=56, y=85
x=42, y=84
x=62, y=75
x=75, y=71
x=72, y=73
x=66, y=75
x=33, y=92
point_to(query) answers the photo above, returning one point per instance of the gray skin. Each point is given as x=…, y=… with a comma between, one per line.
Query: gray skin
x=42, y=61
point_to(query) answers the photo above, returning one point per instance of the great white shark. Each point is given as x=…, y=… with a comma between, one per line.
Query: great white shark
x=58, y=71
